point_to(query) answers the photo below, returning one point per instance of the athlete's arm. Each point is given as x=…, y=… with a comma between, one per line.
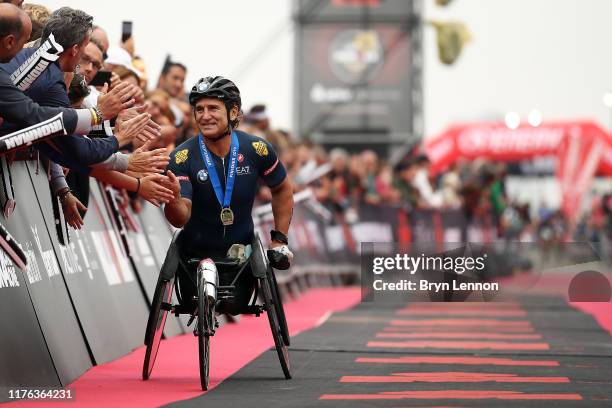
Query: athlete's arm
x=178, y=210
x=282, y=206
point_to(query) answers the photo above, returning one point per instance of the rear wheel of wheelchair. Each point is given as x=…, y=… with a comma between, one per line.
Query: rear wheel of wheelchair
x=271, y=310
x=156, y=324
x=278, y=304
x=205, y=328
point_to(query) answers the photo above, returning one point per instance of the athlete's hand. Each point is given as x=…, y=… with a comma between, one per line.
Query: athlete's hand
x=280, y=256
x=152, y=189
x=174, y=185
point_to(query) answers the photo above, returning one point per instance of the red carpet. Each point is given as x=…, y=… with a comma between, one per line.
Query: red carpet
x=176, y=374
x=601, y=311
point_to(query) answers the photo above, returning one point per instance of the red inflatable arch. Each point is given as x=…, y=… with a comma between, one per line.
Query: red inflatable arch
x=582, y=147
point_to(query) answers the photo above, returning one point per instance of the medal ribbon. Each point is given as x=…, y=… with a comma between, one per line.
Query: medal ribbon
x=224, y=199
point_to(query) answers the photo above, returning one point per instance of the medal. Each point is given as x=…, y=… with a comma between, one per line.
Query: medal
x=227, y=216
x=224, y=197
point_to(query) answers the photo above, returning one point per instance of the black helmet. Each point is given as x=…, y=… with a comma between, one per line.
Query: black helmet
x=216, y=87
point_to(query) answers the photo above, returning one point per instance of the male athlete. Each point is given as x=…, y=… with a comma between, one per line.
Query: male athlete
x=214, y=180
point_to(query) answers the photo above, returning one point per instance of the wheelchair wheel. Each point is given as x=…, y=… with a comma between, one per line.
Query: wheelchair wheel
x=156, y=323
x=205, y=327
x=281, y=347
x=278, y=304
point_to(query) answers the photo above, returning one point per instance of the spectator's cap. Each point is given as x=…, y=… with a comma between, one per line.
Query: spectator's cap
x=257, y=113
x=119, y=56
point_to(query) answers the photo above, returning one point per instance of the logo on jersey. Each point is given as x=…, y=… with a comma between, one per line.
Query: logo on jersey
x=271, y=169
x=240, y=157
x=260, y=148
x=202, y=176
x=242, y=170
x=181, y=157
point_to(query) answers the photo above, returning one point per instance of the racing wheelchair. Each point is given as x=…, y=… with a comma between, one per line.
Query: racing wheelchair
x=210, y=297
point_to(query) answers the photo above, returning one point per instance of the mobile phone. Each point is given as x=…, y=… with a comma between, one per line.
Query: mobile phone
x=126, y=30
x=101, y=78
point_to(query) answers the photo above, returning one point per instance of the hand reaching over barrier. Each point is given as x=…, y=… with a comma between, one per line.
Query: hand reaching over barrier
x=151, y=131
x=127, y=130
x=150, y=187
x=121, y=97
x=115, y=80
x=72, y=209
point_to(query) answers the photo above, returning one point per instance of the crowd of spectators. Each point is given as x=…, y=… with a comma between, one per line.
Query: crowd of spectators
x=117, y=130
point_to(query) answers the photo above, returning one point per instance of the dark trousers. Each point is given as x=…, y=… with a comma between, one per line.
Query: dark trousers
x=186, y=280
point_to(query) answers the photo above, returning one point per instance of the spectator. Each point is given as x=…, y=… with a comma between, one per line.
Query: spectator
x=384, y=185
x=421, y=182
x=140, y=66
x=409, y=195
x=451, y=186
x=158, y=103
x=78, y=90
x=172, y=81
x=39, y=16
x=17, y=3
x=496, y=194
x=369, y=161
x=279, y=139
x=15, y=107
x=130, y=77
x=339, y=178
x=100, y=38
x=118, y=57
x=91, y=62
x=257, y=122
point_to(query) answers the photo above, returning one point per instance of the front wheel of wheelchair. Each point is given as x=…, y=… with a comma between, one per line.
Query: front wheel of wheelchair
x=278, y=304
x=271, y=311
x=156, y=323
x=206, y=321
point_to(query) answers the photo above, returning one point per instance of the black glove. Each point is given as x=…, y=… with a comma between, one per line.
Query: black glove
x=280, y=257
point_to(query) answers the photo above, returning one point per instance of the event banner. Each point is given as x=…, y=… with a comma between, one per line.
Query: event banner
x=355, y=67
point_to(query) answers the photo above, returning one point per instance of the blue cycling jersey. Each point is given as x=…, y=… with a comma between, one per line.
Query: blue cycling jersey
x=204, y=232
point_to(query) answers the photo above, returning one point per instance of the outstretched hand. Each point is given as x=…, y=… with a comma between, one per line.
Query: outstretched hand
x=121, y=97
x=152, y=189
x=144, y=161
x=72, y=208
